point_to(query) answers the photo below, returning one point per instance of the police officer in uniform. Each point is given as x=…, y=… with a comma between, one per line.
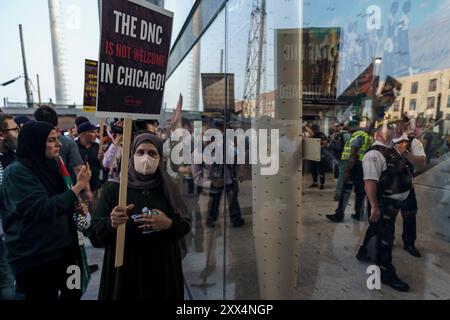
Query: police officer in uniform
x=388, y=182
x=415, y=154
x=352, y=155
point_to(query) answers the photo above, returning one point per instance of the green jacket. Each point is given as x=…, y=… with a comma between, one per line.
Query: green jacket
x=38, y=227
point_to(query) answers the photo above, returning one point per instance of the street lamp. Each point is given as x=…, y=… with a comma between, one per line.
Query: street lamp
x=4, y=84
x=375, y=81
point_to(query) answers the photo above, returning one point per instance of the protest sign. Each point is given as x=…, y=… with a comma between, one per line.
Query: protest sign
x=134, y=50
x=90, y=86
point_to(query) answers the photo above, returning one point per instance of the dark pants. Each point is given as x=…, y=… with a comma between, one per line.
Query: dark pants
x=409, y=212
x=191, y=196
x=6, y=275
x=234, y=209
x=318, y=170
x=49, y=281
x=383, y=234
x=356, y=184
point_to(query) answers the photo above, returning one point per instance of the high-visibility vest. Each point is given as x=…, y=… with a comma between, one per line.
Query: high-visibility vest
x=348, y=145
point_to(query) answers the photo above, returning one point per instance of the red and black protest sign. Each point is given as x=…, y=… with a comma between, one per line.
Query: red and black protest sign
x=134, y=49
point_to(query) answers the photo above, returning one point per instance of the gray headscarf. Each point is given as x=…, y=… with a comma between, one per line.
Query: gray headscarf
x=139, y=181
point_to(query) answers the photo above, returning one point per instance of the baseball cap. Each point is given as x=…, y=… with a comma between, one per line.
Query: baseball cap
x=402, y=138
x=79, y=120
x=85, y=127
x=19, y=120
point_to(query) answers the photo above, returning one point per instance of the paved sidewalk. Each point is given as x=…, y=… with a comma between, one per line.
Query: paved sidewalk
x=328, y=269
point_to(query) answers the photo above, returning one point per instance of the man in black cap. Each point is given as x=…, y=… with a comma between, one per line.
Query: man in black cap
x=90, y=153
x=79, y=120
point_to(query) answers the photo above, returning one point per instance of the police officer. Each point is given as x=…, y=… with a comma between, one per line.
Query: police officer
x=352, y=155
x=415, y=154
x=388, y=181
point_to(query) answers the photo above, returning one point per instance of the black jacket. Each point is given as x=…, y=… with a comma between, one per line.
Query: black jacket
x=38, y=227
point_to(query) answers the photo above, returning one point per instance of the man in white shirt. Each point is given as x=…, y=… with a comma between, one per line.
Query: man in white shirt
x=388, y=182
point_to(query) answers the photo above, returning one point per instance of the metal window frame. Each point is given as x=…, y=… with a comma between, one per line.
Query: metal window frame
x=183, y=30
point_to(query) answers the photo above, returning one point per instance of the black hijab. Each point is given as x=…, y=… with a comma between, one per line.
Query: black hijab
x=139, y=181
x=31, y=146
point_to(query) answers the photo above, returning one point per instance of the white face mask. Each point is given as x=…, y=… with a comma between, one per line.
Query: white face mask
x=145, y=164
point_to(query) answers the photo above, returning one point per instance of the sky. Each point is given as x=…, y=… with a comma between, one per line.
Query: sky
x=81, y=32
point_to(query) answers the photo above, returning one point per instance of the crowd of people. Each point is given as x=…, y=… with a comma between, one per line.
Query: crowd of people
x=57, y=188
x=379, y=164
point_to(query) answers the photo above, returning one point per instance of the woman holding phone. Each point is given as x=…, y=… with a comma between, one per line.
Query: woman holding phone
x=156, y=219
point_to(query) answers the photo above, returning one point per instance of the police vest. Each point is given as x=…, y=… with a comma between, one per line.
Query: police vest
x=398, y=177
x=348, y=145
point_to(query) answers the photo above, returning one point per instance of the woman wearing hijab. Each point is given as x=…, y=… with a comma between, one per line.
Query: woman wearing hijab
x=156, y=219
x=37, y=210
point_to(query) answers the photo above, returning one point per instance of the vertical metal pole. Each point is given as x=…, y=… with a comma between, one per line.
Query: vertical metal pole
x=221, y=61
x=194, y=87
x=25, y=71
x=260, y=56
x=39, y=89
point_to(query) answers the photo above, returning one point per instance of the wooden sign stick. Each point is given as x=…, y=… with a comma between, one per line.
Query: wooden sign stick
x=120, y=239
x=102, y=131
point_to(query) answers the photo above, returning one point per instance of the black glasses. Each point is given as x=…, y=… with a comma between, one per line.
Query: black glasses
x=12, y=129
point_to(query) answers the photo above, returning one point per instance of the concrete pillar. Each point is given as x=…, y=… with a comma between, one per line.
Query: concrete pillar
x=56, y=29
x=277, y=198
x=194, y=83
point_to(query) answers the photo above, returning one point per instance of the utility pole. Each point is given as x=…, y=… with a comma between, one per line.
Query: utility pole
x=25, y=71
x=221, y=61
x=39, y=89
x=254, y=68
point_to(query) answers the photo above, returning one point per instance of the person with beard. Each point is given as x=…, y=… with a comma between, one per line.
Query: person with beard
x=8, y=143
x=90, y=152
x=37, y=211
x=9, y=131
x=156, y=220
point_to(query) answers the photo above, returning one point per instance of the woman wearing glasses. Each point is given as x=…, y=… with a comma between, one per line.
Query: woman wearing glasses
x=156, y=219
